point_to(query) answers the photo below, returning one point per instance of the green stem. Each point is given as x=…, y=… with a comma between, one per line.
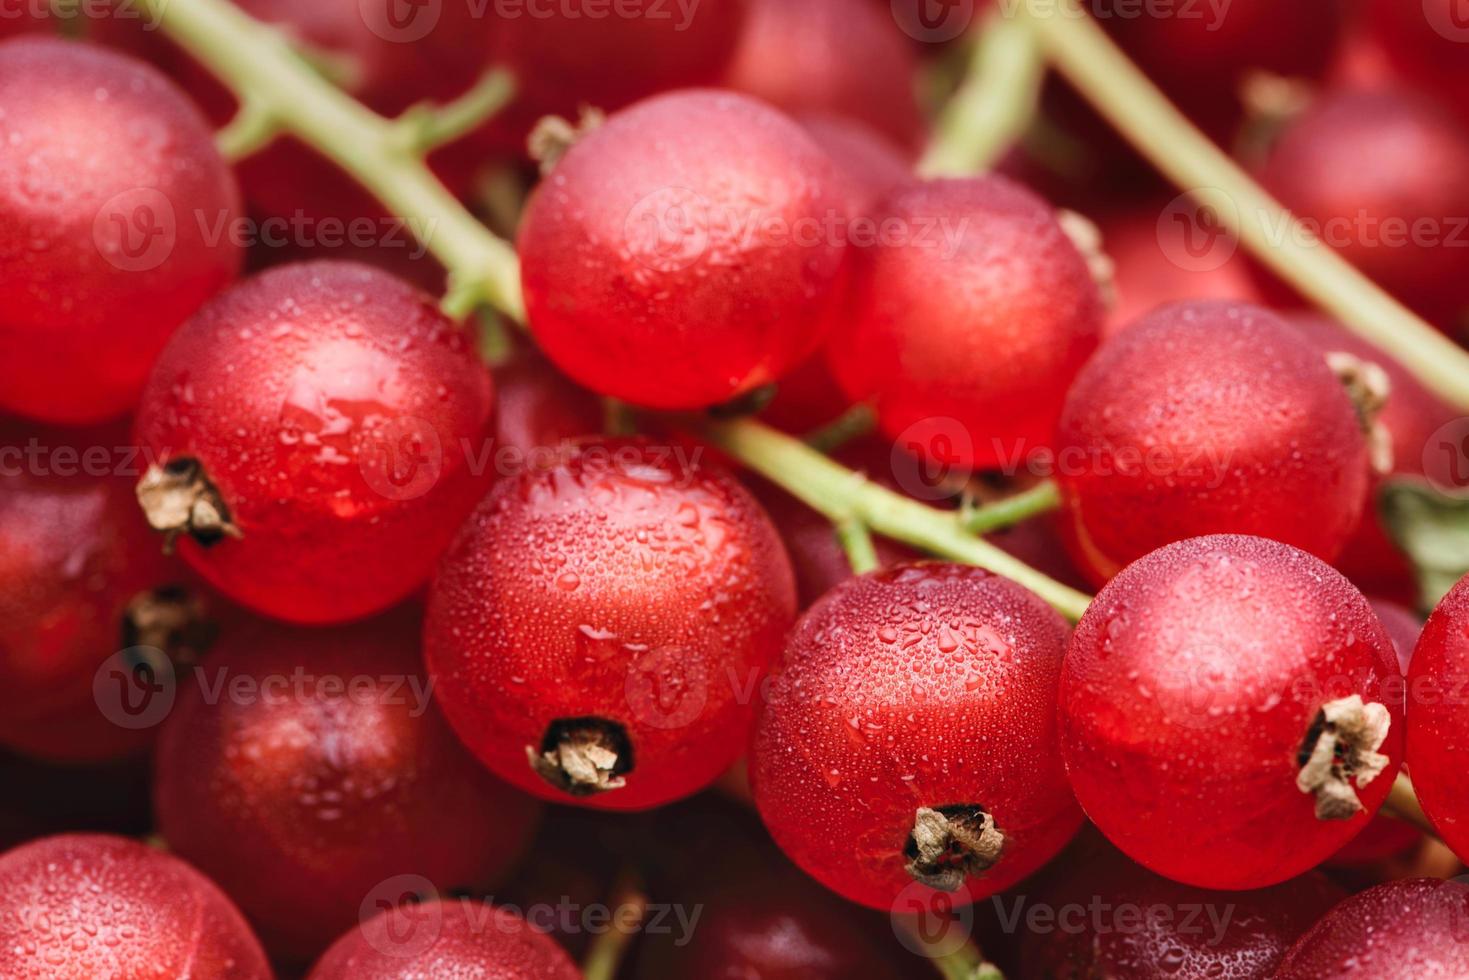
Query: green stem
x=854, y=423
x=965, y=963
x=259, y=65
x=1082, y=52
x=856, y=541
x=993, y=106
x=1042, y=498
x=426, y=127
x=604, y=959
x=250, y=131
x=841, y=495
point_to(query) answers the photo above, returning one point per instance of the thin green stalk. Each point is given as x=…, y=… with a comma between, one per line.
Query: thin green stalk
x=1042, y=498
x=856, y=541
x=250, y=131
x=993, y=106
x=605, y=957
x=1081, y=51
x=967, y=962
x=258, y=63
x=428, y=126
x=841, y=494
x=854, y=423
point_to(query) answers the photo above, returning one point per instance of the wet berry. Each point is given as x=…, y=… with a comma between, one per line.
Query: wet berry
x=320, y=431
x=1403, y=930
x=686, y=252
x=599, y=629
x=908, y=740
x=111, y=192
x=1231, y=712
x=1204, y=418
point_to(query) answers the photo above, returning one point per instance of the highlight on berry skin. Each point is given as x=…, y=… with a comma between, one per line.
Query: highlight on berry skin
x=838, y=490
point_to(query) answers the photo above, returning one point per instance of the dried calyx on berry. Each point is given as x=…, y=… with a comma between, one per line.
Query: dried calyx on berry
x=179, y=498
x=1340, y=754
x=583, y=756
x=950, y=843
x=1369, y=387
x=169, y=618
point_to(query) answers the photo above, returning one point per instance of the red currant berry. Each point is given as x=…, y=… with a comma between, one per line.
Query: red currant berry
x=1379, y=175
x=1410, y=417
x=599, y=628
x=565, y=60
x=109, y=188
x=452, y=939
x=686, y=252
x=307, y=766
x=908, y=741
x=931, y=335
x=1438, y=717
x=321, y=432
x=1144, y=243
x=1203, y=60
x=1403, y=930
x=1206, y=418
x=79, y=907
x=1231, y=712
x=1425, y=41
x=842, y=57
x=83, y=580
x=1117, y=920
x=873, y=165
x=537, y=409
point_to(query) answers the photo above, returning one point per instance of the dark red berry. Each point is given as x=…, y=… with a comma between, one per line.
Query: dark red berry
x=1231, y=712
x=1438, y=717
x=111, y=195
x=302, y=768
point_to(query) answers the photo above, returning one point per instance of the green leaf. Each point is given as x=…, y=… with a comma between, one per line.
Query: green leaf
x=1433, y=529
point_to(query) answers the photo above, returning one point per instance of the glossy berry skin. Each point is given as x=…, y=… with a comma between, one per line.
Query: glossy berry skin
x=75, y=555
x=1380, y=172
x=299, y=800
x=629, y=584
x=1411, y=416
x=537, y=409
x=1203, y=58
x=686, y=252
x=920, y=686
x=82, y=906
x=1126, y=923
x=1411, y=929
x=1425, y=42
x=1189, y=692
x=965, y=331
x=344, y=422
x=110, y=191
x=839, y=57
x=1206, y=418
x=569, y=58
x=453, y=939
x=1438, y=718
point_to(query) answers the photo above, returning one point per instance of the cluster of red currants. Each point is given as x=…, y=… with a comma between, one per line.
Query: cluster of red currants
x=364, y=588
